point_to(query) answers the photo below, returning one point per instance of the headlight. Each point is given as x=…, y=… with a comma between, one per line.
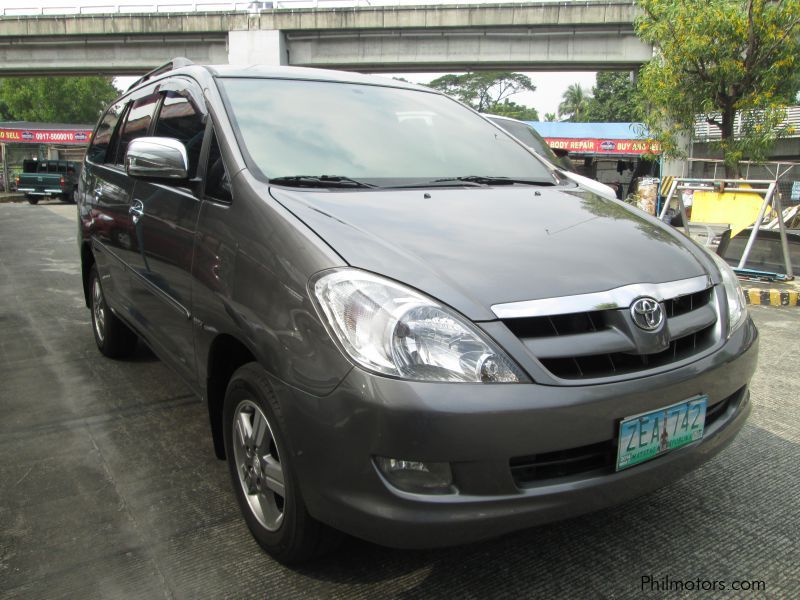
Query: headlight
x=393, y=330
x=737, y=305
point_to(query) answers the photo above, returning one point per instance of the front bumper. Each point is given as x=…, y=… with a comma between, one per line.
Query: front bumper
x=479, y=429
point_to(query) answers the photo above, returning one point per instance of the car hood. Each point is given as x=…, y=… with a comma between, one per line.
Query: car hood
x=474, y=247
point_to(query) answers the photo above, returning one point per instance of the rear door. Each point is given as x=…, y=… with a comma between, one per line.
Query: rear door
x=161, y=282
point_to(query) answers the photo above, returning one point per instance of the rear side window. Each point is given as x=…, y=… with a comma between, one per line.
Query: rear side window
x=137, y=123
x=180, y=119
x=105, y=131
x=527, y=135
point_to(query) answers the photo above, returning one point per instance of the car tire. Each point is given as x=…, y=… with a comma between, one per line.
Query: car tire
x=263, y=474
x=114, y=339
x=32, y=199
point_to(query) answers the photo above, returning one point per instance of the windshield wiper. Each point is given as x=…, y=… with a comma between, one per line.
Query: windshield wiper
x=320, y=181
x=485, y=180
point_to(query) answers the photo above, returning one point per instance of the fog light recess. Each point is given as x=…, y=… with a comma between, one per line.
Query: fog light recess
x=417, y=477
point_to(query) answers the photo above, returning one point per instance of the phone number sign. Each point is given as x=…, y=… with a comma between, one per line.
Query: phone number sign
x=45, y=136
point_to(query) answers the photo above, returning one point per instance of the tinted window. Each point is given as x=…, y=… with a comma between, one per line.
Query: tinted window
x=179, y=119
x=293, y=127
x=528, y=136
x=137, y=123
x=218, y=183
x=105, y=130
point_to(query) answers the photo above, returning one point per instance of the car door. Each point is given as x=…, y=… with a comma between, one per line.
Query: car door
x=106, y=200
x=166, y=220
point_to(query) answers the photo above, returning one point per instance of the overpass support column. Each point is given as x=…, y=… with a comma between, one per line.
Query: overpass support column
x=264, y=47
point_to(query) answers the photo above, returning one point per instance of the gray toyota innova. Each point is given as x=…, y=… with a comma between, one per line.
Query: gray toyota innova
x=404, y=325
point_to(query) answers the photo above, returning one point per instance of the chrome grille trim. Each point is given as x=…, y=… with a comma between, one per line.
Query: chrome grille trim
x=620, y=297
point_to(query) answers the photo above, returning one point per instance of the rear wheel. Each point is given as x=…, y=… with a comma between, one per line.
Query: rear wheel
x=32, y=199
x=114, y=339
x=263, y=474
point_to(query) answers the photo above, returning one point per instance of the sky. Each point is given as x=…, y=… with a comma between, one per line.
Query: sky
x=550, y=87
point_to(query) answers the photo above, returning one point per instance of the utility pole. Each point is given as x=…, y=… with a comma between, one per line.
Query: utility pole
x=6, y=181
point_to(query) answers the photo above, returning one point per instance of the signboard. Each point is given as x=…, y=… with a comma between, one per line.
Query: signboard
x=45, y=136
x=600, y=146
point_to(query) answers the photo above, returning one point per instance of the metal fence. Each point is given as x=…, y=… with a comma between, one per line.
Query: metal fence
x=706, y=132
x=786, y=173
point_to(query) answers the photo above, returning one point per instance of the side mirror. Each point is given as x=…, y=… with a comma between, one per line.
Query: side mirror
x=157, y=158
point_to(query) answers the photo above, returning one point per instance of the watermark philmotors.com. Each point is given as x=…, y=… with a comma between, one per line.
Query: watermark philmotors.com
x=665, y=583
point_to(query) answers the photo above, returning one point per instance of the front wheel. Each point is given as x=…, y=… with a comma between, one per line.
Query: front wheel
x=263, y=474
x=113, y=338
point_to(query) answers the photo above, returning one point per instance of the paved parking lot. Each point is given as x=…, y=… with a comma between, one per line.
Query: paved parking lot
x=109, y=487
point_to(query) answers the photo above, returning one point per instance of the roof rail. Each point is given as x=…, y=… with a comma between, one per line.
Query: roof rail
x=175, y=63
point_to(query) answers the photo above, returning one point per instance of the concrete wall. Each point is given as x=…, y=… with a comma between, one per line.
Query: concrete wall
x=587, y=35
x=464, y=49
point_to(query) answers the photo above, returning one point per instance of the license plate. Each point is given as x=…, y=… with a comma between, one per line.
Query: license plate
x=645, y=436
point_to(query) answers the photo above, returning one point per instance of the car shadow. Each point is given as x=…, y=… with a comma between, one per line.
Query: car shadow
x=142, y=354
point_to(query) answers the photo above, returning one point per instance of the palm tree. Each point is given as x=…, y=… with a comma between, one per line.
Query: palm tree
x=550, y=117
x=574, y=104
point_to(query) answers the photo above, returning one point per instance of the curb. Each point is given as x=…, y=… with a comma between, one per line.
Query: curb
x=772, y=297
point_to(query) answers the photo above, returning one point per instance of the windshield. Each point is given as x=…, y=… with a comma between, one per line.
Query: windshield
x=381, y=135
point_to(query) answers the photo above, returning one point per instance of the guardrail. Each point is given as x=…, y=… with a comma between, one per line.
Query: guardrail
x=88, y=8
x=70, y=7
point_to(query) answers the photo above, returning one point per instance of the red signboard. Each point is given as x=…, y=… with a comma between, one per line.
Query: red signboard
x=599, y=146
x=45, y=136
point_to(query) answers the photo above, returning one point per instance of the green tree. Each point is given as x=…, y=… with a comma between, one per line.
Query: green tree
x=613, y=99
x=483, y=90
x=507, y=108
x=550, y=117
x=716, y=58
x=574, y=103
x=55, y=99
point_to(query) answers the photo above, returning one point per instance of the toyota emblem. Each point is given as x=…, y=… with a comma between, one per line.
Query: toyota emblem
x=647, y=313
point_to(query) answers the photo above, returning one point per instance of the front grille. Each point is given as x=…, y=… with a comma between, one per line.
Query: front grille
x=621, y=363
x=586, y=460
x=606, y=343
x=572, y=324
x=564, y=463
x=685, y=304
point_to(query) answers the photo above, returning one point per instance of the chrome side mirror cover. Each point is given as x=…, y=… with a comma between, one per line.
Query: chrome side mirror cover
x=157, y=158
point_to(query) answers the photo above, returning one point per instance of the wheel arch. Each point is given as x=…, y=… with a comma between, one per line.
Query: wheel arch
x=225, y=355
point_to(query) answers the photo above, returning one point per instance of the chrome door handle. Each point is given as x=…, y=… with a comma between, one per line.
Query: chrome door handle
x=136, y=211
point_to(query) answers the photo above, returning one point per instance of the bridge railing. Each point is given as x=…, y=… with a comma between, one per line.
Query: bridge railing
x=71, y=7
x=87, y=8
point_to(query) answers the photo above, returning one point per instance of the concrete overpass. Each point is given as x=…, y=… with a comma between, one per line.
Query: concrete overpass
x=587, y=35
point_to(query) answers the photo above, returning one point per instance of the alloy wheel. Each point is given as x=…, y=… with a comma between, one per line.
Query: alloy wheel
x=258, y=465
x=98, y=310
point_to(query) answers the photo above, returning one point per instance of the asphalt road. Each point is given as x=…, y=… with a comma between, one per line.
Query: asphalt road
x=109, y=487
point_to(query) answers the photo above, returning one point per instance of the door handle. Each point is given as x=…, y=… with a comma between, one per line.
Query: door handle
x=136, y=211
